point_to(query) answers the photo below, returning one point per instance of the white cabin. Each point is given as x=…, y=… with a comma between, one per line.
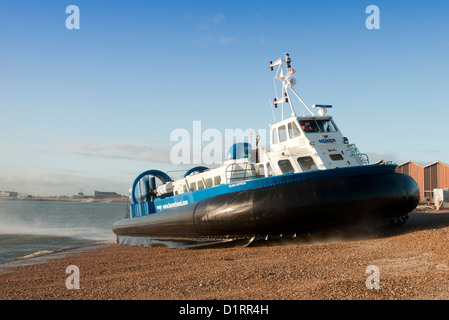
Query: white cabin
x=300, y=144
x=297, y=144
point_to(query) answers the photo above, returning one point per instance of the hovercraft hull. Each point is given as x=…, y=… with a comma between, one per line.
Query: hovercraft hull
x=295, y=203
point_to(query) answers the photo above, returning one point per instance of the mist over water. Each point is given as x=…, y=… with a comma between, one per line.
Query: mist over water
x=31, y=228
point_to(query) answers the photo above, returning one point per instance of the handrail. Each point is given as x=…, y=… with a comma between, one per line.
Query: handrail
x=363, y=157
x=248, y=167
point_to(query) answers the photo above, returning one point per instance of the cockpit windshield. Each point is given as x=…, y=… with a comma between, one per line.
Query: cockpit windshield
x=310, y=126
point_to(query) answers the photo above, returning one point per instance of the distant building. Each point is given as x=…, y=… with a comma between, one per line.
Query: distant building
x=436, y=176
x=104, y=195
x=416, y=172
x=8, y=194
x=80, y=195
x=429, y=177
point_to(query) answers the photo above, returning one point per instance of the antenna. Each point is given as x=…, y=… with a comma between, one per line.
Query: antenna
x=271, y=107
x=288, y=82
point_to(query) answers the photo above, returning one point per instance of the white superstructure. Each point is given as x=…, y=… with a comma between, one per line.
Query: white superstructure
x=297, y=144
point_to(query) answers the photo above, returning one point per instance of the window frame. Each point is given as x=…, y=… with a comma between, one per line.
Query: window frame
x=336, y=155
x=275, y=138
x=293, y=124
x=290, y=170
x=284, y=135
x=311, y=167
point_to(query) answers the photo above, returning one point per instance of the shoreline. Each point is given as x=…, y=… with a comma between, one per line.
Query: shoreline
x=122, y=200
x=413, y=263
x=47, y=257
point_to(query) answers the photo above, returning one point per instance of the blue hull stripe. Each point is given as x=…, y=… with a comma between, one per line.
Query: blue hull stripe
x=145, y=208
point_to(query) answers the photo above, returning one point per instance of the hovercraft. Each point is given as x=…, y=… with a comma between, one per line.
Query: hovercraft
x=310, y=178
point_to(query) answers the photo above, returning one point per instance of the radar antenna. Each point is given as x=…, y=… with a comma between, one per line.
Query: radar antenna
x=288, y=82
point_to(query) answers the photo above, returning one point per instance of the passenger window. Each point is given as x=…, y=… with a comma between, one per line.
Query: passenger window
x=209, y=183
x=282, y=134
x=260, y=170
x=309, y=126
x=217, y=180
x=184, y=187
x=200, y=185
x=269, y=170
x=275, y=136
x=192, y=186
x=286, y=166
x=326, y=126
x=293, y=130
x=336, y=157
x=307, y=163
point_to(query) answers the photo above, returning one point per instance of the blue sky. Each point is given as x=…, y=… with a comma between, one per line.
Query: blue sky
x=92, y=108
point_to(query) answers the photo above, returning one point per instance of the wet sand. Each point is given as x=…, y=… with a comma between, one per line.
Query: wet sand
x=412, y=261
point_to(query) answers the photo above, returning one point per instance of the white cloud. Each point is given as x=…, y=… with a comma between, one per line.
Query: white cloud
x=207, y=27
x=56, y=183
x=387, y=156
x=117, y=151
x=226, y=40
x=218, y=18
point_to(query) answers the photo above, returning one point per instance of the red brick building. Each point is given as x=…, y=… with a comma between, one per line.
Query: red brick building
x=429, y=177
x=416, y=172
x=436, y=176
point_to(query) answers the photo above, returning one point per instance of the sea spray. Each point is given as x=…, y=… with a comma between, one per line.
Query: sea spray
x=35, y=228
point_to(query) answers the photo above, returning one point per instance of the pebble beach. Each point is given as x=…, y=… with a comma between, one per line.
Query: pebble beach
x=412, y=263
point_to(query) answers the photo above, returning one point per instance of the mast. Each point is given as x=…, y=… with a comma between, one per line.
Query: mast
x=288, y=83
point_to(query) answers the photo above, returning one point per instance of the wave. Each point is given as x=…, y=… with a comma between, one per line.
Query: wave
x=36, y=254
x=36, y=230
x=88, y=233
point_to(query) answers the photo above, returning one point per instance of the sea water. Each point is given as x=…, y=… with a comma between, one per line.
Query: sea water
x=31, y=228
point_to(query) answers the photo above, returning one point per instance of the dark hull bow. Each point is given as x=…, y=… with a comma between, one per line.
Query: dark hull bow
x=299, y=203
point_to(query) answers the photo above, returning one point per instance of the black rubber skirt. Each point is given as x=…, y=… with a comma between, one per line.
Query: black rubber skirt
x=280, y=209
